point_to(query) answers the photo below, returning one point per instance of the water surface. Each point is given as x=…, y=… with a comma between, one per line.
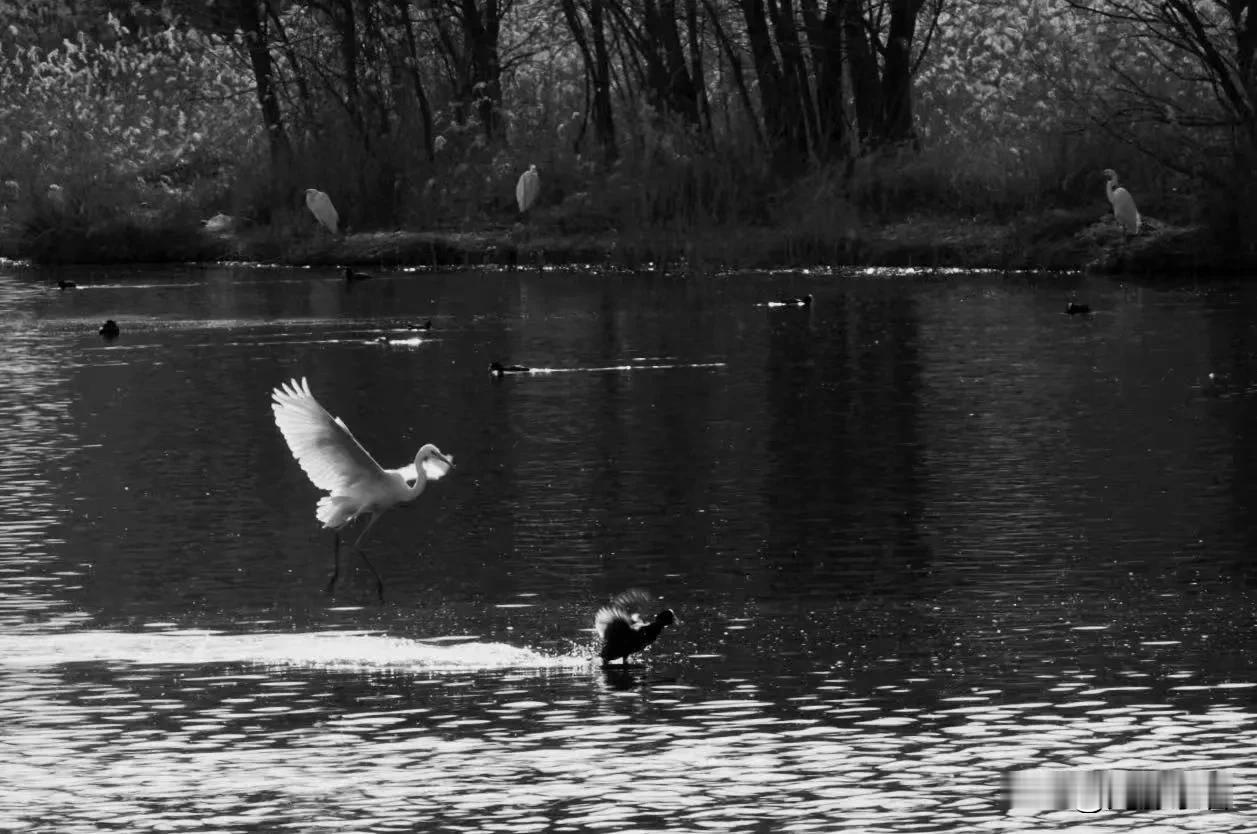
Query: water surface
x=924, y=531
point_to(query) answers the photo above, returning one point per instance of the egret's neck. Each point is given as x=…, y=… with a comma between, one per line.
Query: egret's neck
x=421, y=480
x=1109, y=186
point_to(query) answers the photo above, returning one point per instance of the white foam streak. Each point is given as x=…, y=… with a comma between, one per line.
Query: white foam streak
x=329, y=649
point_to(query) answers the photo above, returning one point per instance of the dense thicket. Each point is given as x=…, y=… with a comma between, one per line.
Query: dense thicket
x=818, y=113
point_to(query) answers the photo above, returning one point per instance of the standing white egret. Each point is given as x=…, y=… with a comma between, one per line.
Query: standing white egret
x=527, y=189
x=336, y=462
x=321, y=207
x=1123, y=204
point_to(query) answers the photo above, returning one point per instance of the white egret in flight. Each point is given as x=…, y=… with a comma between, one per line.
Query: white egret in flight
x=321, y=207
x=336, y=463
x=622, y=629
x=1123, y=204
x=527, y=189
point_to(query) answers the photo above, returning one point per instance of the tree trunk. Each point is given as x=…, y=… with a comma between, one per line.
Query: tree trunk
x=824, y=35
x=896, y=125
x=412, y=63
x=604, y=120
x=347, y=25
x=682, y=95
x=864, y=79
x=597, y=59
x=251, y=24
x=480, y=51
x=784, y=125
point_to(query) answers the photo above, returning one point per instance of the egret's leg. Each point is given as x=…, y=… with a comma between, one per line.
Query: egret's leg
x=379, y=583
x=331, y=583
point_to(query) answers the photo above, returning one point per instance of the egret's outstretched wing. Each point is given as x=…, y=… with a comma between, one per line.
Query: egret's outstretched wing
x=634, y=601
x=321, y=443
x=611, y=622
x=623, y=612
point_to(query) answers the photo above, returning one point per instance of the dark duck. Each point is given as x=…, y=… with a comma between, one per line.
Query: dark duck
x=799, y=301
x=352, y=276
x=621, y=628
x=1073, y=308
x=497, y=369
x=110, y=329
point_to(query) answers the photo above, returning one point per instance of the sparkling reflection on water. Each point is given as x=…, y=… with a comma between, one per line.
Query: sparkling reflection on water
x=918, y=534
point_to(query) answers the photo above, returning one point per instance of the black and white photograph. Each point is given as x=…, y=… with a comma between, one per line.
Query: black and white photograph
x=628, y=416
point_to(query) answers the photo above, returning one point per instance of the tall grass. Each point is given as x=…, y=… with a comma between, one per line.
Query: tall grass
x=149, y=134
x=136, y=133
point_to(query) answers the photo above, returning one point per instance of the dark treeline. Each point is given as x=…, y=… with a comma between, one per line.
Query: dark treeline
x=815, y=113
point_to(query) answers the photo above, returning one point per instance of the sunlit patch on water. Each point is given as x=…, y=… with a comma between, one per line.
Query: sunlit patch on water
x=901, y=272
x=329, y=650
x=655, y=366
x=84, y=286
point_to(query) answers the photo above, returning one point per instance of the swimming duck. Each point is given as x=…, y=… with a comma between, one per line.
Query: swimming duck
x=110, y=329
x=427, y=325
x=351, y=275
x=1073, y=308
x=621, y=628
x=497, y=369
x=66, y=285
x=798, y=301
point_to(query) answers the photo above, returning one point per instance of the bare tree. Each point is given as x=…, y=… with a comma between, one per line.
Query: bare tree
x=1187, y=95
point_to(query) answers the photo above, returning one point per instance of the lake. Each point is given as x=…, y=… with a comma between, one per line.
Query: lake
x=920, y=533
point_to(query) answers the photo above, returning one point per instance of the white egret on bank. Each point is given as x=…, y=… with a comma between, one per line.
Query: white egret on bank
x=622, y=629
x=321, y=207
x=336, y=463
x=1123, y=204
x=219, y=223
x=527, y=189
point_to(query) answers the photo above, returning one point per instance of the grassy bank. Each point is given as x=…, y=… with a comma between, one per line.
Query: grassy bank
x=1054, y=240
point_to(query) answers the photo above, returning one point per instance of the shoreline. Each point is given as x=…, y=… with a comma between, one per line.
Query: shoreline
x=1054, y=241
